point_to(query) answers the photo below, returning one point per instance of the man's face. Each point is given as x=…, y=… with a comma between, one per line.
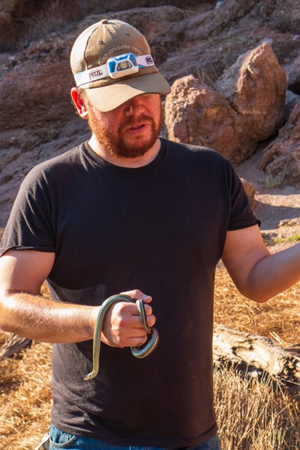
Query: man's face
x=131, y=129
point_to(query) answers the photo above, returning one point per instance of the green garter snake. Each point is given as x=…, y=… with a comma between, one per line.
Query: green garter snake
x=138, y=352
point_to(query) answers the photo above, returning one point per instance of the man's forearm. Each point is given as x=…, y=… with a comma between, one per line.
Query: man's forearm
x=44, y=320
x=274, y=274
x=258, y=274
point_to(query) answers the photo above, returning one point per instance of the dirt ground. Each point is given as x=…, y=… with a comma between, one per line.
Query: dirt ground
x=278, y=207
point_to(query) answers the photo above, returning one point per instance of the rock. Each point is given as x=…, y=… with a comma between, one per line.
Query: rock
x=255, y=87
x=281, y=159
x=291, y=100
x=6, y=27
x=285, y=15
x=196, y=114
x=215, y=38
x=294, y=77
x=247, y=106
x=6, y=7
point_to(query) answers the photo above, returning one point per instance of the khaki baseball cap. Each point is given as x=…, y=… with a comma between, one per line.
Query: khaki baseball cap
x=111, y=60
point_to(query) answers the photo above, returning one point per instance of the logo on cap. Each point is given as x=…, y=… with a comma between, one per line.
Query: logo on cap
x=149, y=60
x=95, y=74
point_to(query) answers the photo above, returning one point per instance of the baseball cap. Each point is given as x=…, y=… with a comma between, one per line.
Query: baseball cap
x=111, y=60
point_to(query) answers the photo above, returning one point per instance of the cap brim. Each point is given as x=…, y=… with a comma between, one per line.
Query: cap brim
x=107, y=98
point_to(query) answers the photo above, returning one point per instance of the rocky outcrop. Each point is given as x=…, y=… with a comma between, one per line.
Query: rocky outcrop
x=294, y=77
x=215, y=38
x=19, y=18
x=246, y=106
x=281, y=159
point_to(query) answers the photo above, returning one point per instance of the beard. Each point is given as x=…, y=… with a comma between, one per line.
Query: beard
x=115, y=143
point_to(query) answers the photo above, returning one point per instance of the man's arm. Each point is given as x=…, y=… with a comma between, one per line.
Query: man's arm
x=257, y=274
x=23, y=311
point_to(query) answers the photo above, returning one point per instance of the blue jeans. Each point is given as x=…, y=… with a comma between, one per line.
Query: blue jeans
x=62, y=440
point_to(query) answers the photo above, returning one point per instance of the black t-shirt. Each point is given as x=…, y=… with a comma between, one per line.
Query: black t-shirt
x=160, y=228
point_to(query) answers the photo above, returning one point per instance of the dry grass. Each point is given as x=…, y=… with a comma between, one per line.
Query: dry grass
x=25, y=398
x=279, y=318
x=252, y=415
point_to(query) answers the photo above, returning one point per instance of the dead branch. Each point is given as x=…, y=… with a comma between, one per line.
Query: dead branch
x=14, y=344
x=257, y=355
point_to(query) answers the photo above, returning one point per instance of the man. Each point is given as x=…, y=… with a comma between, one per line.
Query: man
x=130, y=212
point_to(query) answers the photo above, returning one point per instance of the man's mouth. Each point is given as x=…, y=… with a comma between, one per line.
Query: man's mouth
x=135, y=124
x=136, y=127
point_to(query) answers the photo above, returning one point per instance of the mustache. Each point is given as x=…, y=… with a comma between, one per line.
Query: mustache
x=133, y=121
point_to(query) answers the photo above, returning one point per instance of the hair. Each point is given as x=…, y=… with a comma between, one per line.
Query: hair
x=82, y=93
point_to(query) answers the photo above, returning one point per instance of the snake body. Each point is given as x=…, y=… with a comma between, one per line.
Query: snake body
x=138, y=352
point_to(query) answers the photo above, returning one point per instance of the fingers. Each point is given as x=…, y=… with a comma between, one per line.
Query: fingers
x=136, y=294
x=128, y=317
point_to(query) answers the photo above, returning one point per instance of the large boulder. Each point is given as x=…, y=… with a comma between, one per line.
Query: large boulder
x=255, y=87
x=197, y=114
x=246, y=106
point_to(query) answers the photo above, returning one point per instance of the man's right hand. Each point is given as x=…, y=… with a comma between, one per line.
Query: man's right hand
x=122, y=324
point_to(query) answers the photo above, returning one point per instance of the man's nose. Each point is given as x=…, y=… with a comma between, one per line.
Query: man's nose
x=134, y=106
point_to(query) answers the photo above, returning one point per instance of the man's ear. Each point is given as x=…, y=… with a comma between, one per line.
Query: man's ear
x=79, y=103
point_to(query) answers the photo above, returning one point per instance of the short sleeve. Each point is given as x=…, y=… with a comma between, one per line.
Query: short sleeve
x=30, y=225
x=242, y=214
